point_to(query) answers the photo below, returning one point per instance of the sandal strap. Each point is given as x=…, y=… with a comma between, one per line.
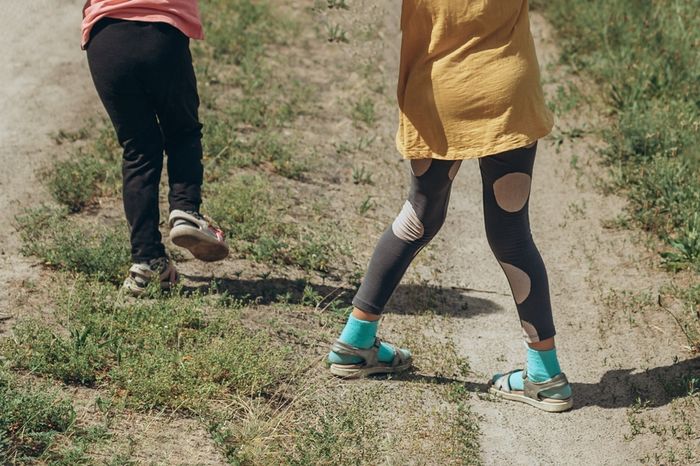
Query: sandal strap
x=533, y=389
x=369, y=355
x=399, y=357
x=503, y=382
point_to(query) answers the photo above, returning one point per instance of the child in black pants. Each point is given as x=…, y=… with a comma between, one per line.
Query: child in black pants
x=144, y=76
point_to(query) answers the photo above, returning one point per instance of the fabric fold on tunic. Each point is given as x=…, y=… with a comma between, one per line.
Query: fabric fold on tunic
x=469, y=81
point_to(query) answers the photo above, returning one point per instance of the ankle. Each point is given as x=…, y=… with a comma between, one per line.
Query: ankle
x=363, y=315
x=544, y=345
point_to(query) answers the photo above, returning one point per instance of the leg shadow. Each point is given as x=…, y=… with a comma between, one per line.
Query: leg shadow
x=655, y=387
x=411, y=299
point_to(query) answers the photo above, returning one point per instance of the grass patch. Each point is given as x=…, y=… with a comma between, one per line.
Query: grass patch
x=38, y=425
x=335, y=436
x=364, y=111
x=238, y=30
x=89, y=172
x=254, y=217
x=66, y=243
x=154, y=354
x=652, y=146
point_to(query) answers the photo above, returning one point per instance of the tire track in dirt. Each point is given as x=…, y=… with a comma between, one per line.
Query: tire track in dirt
x=46, y=87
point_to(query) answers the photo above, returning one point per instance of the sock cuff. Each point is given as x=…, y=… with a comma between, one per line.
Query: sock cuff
x=360, y=333
x=542, y=365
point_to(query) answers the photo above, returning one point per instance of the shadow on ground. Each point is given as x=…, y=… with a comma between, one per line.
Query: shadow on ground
x=413, y=299
x=654, y=387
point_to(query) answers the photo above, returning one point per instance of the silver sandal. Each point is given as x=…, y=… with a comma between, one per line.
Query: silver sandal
x=370, y=364
x=532, y=393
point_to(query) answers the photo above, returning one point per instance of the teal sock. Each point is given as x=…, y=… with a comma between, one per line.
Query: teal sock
x=361, y=334
x=541, y=366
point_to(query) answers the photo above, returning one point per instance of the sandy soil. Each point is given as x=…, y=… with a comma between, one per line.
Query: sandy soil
x=46, y=87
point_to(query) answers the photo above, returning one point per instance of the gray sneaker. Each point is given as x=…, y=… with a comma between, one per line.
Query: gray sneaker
x=140, y=275
x=194, y=232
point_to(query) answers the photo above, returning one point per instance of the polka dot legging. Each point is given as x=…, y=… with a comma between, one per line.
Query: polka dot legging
x=506, y=192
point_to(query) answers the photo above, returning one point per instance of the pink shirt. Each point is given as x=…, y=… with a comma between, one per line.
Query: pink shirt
x=182, y=14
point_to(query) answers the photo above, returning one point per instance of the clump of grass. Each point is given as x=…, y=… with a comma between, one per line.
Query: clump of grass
x=30, y=419
x=336, y=33
x=66, y=243
x=333, y=437
x=74, y=182
x=364, y=111
x=238, y=30
x=155, y=353
x=362, y=176
x=88, y=172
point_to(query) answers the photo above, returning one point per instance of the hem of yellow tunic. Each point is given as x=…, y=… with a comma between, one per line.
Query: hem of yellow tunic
x=472, y=153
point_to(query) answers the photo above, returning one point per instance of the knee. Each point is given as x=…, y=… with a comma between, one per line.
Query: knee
x=509, y=241
x=411, y=228
x=185, y=142
x=142, y=148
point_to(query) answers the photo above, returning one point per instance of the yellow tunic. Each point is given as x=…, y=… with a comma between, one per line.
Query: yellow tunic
x=469, y=82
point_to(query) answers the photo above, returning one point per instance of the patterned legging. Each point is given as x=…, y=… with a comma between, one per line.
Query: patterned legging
x=506, y=192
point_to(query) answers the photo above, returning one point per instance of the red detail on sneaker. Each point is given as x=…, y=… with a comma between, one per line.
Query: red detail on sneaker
x=218, y=233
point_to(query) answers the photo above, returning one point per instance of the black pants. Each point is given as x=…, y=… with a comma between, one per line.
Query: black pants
x=144, y=76
x=506, y=191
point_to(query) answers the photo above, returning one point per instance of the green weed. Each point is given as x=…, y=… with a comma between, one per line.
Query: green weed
x=337, y=4
x=74, y=183
x=238, y=30
x=466, y=435
x=250, y=212
x=335, y=33
x=67, y=243
x=366, y=205
x=362, y=176
x=38, y=425
x=88, y=172
x=332, y=436
x=364, y=111
x=30, y=419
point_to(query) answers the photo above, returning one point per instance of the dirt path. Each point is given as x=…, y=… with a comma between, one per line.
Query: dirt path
x=46, y=87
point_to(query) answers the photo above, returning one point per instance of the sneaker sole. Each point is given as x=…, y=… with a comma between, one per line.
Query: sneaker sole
x=552, y=406
x=201, y=245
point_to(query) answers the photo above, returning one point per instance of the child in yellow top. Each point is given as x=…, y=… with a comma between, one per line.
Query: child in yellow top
x=469, y=87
